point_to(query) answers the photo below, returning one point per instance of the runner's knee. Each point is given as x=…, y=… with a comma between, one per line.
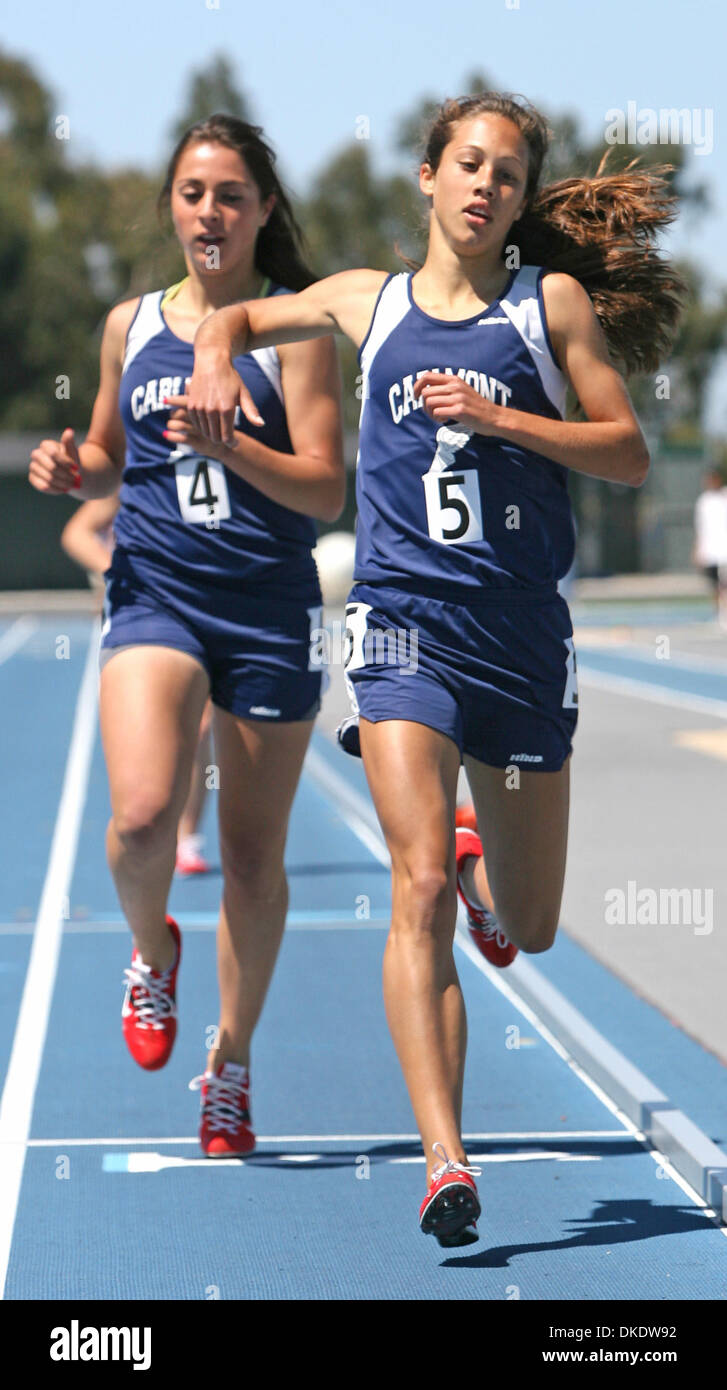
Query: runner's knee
x=254, y=864
x=144, y=824
x=427, y=895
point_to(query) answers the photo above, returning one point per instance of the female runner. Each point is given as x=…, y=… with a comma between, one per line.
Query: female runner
x=212, y=590
x=464, y=528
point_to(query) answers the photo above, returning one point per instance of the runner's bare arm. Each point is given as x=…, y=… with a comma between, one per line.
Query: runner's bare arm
x=56, y=464
x=104, y=449
x=342, y=303
x=609, y=444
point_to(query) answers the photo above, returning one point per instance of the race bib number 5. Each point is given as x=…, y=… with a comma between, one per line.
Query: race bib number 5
x=202, y=490
x=452, y=495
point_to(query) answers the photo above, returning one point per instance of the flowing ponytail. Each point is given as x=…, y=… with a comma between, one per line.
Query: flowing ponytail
x=280, y=248
x=600, y=230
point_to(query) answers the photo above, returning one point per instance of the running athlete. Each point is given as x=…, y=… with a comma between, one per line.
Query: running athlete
x=212, y=590
x=88, y=537
x=464, y=529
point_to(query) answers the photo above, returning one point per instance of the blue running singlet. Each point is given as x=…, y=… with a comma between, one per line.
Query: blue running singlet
x=204, y=562
x=190, y=515
x=442, y=509
x=454, y=620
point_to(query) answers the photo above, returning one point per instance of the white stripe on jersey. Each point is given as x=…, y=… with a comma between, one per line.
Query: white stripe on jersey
x=523, y=310
x=147, y=323
x=269, y=363
x=392, y=307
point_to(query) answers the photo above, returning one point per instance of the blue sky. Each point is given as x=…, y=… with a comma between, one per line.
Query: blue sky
x=119, y=72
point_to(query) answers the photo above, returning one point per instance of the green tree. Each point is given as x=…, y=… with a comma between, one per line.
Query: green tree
x=74, y=240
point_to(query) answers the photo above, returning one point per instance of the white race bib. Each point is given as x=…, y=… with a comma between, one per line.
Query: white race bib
x=454, y=511
x=452, y=494
x=202, y=490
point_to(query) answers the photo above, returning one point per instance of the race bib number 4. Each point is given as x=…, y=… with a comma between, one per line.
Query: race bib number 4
x=202, y=490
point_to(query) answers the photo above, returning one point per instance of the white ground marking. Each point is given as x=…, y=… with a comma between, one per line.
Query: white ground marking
x=494, y=1135
x=16, y=1107
x=155, y=1162
x=640, y=651
x=16, y=636
x=354, y=808
x=517, y=1158
x=656, y=694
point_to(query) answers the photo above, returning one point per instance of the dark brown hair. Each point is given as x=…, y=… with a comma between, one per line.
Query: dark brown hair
x=280, y=248
x=600, y=230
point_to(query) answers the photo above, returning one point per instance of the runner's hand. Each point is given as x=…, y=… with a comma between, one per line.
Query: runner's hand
x=450, y=398
x=180, y=430
x=55, y=466
x=213, y=395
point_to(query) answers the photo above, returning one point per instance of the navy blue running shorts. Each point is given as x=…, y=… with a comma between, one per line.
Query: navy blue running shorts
x=497, y=676
x=256, y=650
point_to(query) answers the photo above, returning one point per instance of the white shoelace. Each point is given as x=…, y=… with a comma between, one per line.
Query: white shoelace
x=222, y=1104
x=449, y=1165
x=152, y=1005
x=492, y=930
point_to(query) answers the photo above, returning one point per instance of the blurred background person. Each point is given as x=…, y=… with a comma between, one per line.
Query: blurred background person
x=710, y=538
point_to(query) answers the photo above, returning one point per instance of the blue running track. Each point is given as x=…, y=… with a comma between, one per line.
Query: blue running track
x=114, y=1199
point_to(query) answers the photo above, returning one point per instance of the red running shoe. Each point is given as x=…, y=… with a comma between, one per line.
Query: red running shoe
x=149, y=1012
x=190, y=859
x=451, y=1207
x=483, y=928
x=226, y=1128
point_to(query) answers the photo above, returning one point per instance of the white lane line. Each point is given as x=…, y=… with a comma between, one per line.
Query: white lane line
x=121, y=928
x=353, y=808
x=343, y=924
x=676, y=661
x=656, y=694
x=16, y=636
x=147, y=1162
x=16, y=1107
x=496, y=1136
x=553, y=1155
x=154, y=1163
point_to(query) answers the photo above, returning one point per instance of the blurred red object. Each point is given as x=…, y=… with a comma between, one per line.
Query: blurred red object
x=465, y=815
